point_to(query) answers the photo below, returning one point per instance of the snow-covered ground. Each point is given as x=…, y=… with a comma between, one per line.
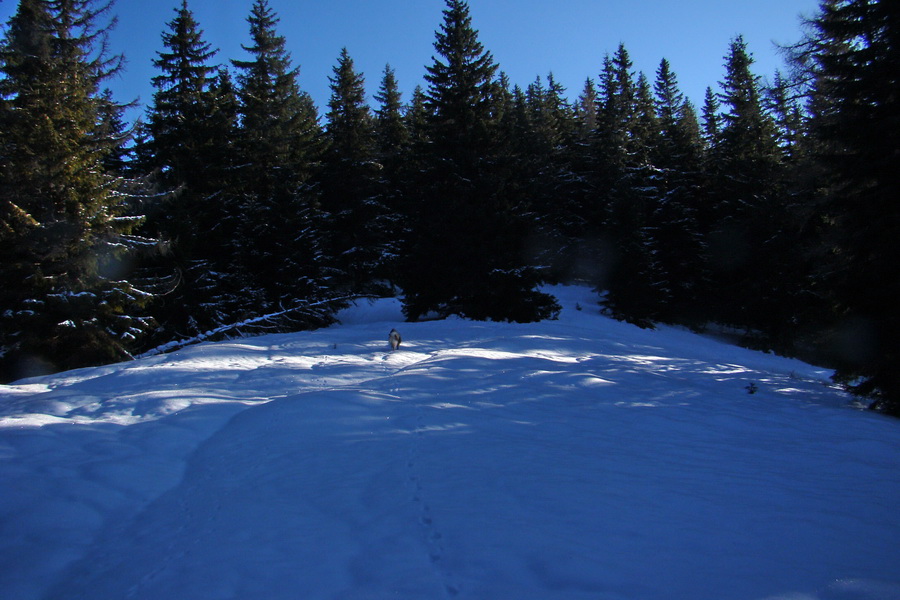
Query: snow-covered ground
x=578, y=458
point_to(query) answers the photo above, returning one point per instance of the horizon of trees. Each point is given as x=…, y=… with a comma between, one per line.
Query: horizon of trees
x=233, y=208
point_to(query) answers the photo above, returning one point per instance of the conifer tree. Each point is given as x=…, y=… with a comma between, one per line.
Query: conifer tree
x=654, y=263
x=279, y=148
x=180, y=105
x=626, y=189
x=711, y=126
x=646, y=124
x=504, y=102
x=391, y=134
x=550, y=115
x=616, y=118
x=785, y=108
x=579, y=190
x=668, y=102
x=190, y=138
x=221, y=144
x=854, y=47
x=747, y=137
x=416, y=119
x=678, y=234
x=460, y=92
x=62, y=211
x=414, y=155
x=752, y=228
x=553, y=145
x=112, y=126
x=358, y=228
x=586, y=110
x=711, y=118
x=350, y=128
x=393, y=150
x=467, y=257
x=690, y=135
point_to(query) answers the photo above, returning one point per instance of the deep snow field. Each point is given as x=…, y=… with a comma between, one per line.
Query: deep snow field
x=581, y=458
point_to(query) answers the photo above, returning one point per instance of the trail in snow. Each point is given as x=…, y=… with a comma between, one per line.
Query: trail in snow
x=581, y=458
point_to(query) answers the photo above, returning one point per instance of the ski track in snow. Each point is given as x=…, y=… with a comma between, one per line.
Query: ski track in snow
x=581, y=458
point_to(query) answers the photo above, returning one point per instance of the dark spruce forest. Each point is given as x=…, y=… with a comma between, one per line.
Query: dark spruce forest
x=232, y=207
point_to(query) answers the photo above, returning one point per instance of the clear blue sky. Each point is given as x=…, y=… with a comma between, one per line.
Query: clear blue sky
x=527, y=37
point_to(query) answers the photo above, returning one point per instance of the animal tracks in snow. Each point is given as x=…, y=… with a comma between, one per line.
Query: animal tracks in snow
x=431, y=535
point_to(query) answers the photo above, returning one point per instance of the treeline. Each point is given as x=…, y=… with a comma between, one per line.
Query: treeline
x=773, y=212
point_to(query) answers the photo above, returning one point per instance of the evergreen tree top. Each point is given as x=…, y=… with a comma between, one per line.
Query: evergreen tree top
x=27, y=45
x=711, y=117
x=184, y=66
x=417, y=114
x=741, y=88
x=349, y=121
x=617, y=89
x=668, y=97
x=586, y=108
x=388, y=94
x=390, y=128
x=271, y=64
x=347, y=86
x=467, y=68
x=747, y=130
x=65, y=32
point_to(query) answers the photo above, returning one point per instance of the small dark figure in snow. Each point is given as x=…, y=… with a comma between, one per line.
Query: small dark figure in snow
x=751, y=389
x=394, y=339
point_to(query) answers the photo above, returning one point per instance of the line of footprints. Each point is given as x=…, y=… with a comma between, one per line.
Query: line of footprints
x=433, y=537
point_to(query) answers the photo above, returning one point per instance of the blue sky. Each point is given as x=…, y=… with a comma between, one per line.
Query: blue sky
x=527, y=37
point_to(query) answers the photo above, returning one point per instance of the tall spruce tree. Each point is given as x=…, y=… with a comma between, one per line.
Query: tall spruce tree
x=712, y=120
x=586, y=110
x=190, y=134
x=416, y=120
x=65, y=301
x=854, y=47
x=350, y=129
x=468, y=254
x=616, y=116
x=626, y=190
x=646, y=126
x=678, y=235
x=414, y=157
x=784, y=105
x=551, y=191
x=752, y=228
x=747, y=146
x=180, y=104
x=460, y=91
x=391, y=134
x=669, y=98
x=579, y=258
x=279, y=148
x=358, y=220
x=680, y=144
x=219, y=152
x=393, y=148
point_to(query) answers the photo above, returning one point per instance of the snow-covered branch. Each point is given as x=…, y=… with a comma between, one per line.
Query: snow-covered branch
x=254, y=321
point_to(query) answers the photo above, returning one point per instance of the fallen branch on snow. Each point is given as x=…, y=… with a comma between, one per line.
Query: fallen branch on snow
x=178, y=344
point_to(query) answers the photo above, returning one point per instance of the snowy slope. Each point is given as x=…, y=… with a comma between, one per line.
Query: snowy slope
x=579, y=458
